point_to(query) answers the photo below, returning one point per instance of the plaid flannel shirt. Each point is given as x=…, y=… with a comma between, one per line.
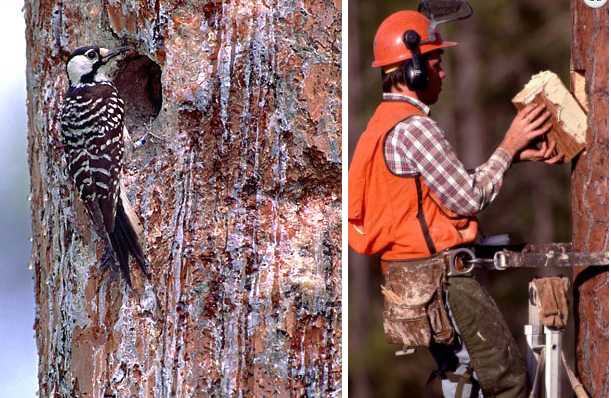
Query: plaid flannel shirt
x=418, y=146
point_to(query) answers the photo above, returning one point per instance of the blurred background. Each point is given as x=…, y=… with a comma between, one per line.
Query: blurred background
x=18, y=357
x=500, y=47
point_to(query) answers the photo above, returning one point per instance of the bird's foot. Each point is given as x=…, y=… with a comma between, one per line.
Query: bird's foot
x=109, y=263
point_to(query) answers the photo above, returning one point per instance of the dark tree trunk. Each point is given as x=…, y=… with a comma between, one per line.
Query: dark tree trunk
x=358, y=266
x=590, y=191
x=238, y=188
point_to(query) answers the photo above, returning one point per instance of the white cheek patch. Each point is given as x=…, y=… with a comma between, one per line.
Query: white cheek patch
x=79, y=66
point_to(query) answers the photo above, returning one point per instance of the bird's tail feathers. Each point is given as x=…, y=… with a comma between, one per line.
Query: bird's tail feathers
x=125, y=240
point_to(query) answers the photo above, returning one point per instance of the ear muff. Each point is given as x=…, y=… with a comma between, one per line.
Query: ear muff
x=416, y=75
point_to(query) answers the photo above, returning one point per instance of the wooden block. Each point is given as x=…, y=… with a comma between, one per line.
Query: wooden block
x=578, y=88
x=569, y=121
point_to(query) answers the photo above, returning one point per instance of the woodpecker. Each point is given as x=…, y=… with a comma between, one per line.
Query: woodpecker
x=92, y=126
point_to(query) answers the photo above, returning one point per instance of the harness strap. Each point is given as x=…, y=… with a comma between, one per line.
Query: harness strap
x=461, y=380
x=423, y=225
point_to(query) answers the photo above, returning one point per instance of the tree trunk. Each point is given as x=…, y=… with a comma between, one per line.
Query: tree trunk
x=238, y=187
x=590, y=195
x=358, y=266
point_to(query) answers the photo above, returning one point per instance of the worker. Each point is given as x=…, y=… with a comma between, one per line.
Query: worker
x=411, y=201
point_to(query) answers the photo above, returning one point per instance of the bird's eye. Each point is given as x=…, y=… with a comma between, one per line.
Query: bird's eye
x=91, y=55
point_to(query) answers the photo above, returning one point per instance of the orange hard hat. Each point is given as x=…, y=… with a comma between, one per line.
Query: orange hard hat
x=388, y=45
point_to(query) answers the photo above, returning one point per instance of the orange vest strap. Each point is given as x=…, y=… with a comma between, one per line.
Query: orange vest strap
x=422, y=220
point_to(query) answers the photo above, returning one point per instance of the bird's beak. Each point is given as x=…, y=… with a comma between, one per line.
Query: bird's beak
x=107, y=55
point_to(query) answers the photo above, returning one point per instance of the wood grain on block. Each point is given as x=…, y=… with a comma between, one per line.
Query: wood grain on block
x=578, y=88
x=569, y=121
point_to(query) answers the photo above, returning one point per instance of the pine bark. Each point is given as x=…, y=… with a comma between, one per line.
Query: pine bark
x=590, y=196
x=238, y=187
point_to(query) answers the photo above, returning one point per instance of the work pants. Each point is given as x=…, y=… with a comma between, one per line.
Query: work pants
x=484, y=344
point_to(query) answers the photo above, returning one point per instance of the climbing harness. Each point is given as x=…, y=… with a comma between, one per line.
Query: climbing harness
x=463, y=260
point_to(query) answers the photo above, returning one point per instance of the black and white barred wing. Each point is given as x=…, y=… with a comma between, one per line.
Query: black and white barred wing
x=92, y=128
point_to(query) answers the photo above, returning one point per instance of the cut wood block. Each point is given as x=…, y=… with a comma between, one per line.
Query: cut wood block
x=578, y=88
x=569, y=121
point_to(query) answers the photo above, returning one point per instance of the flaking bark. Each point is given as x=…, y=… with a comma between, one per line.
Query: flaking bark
x=238, y=187
x=590, y=196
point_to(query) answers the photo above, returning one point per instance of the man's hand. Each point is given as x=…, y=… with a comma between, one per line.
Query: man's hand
x=528, y=125
x=543, y=154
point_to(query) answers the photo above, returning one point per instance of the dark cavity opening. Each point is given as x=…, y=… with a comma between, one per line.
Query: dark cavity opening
x=139, y=83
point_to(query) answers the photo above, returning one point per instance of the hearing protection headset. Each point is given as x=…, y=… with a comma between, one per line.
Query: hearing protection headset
x=415, y=74
x=404, y=39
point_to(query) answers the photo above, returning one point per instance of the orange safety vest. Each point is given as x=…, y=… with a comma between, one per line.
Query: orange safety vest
x=395, y=216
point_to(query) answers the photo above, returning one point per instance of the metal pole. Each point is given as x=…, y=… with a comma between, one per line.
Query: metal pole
x=553, y=348
x=535, y=338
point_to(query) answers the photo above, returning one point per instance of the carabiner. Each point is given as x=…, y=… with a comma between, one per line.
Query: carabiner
x=500, y=261
x=453, y=270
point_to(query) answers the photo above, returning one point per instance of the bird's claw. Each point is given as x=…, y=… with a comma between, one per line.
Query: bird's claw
x=109, y=263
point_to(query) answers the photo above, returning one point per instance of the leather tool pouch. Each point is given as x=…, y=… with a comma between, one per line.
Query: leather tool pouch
x=552, y=300
x=414, y=313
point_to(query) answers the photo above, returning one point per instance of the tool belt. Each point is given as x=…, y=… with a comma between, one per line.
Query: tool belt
x=415, y=316
x=414, y=312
